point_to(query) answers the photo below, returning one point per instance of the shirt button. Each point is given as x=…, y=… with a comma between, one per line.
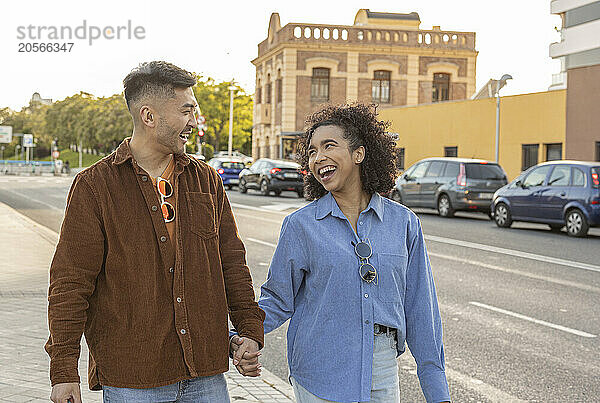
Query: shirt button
x=144, y=178
x=163, y=238
x=170, y=270
x=154, y=208
x=182, y=331
x=360, y=223
x=178, y=299
x=367, y=322
x=366, y=295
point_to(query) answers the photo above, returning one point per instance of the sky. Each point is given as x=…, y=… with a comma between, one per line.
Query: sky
x=220, y=38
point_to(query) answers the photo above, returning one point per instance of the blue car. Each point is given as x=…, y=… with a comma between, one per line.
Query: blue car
x=229, y=169
x=557, y=193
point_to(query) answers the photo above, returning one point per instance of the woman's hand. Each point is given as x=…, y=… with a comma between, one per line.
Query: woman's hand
x=245, y=354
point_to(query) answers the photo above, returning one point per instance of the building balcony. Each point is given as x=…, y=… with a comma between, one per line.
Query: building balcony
x=368, y=36
x=263, y=114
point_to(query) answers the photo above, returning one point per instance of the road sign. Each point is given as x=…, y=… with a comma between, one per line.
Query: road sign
x=55, y=154
x=28, y=140
x=5, y=134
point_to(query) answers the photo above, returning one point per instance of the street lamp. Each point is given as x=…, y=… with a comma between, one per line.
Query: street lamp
x=499, y=84
x=231, y=88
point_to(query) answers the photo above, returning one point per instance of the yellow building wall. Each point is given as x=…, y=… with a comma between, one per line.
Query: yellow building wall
x=470, y=125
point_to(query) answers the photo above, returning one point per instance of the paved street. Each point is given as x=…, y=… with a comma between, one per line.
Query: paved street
x=520, y=305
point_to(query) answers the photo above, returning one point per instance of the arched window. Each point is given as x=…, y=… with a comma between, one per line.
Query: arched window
x=380, y=87
x=319, y=90
x=441, y=87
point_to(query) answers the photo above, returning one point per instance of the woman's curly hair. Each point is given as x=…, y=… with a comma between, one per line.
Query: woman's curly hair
x=361, y=128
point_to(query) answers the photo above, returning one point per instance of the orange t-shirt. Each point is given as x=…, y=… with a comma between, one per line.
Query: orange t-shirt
x=168, y=175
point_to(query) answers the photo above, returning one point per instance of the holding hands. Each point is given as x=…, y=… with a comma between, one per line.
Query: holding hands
x=245, y=354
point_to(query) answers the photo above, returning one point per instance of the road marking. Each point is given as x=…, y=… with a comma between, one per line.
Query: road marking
x=517, y=272
x=272, y=245
x=246, y=207
x=512, y=252
x=35, y=200
x=283, y=206
x=530, y=319
x=255, y=217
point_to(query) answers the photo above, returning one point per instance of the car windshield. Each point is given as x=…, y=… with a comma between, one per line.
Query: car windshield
x=484, y=171
x=232, y=165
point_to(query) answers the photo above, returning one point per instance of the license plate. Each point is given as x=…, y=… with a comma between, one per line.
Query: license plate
x=485, y=195
x=290, y=175
x=234, y=181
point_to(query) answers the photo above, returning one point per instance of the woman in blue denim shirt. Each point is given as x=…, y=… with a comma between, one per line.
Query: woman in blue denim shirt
x=351, y=272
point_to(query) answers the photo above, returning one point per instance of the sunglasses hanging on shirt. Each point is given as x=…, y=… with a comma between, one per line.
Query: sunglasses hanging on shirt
x=165, y=190
x=366, y=270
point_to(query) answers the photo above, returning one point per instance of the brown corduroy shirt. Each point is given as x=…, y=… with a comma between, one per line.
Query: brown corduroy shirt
x=153, y=312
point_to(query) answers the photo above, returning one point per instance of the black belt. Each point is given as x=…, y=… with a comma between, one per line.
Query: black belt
x=381, y=329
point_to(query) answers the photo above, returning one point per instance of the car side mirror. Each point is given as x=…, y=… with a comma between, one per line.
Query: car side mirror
x=520, y=184
x=408, y=178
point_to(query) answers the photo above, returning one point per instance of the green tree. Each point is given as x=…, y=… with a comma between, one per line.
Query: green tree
x=213, y=100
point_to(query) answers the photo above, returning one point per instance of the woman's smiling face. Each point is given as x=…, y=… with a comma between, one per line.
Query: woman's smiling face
x=331, y=161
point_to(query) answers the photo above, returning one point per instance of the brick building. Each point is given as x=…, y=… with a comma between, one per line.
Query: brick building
x=383, y=58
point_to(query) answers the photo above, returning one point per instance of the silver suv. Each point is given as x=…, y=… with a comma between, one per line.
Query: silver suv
x=450, y=185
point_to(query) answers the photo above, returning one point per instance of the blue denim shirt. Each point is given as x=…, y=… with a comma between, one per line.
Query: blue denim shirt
x=314, y=280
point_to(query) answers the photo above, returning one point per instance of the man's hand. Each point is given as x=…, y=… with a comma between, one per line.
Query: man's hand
x=66, y=393
x=245, y=355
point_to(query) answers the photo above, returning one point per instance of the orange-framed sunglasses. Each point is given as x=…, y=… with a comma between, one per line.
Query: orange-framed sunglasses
x=165, y=190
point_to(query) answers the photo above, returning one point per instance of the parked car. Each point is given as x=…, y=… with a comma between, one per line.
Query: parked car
x=557, y=193
x=236, y=154
x=272, y=175
x=450, y=185
x=229, y=169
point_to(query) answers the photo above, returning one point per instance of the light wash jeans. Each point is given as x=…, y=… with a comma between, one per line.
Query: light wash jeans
x=385, y=387
x=205, y=389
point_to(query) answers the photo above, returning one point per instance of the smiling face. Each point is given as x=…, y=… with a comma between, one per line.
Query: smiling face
x=176, y=119
x=332, y=162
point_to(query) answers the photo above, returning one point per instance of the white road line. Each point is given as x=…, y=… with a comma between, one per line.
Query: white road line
x=255, y=217
x=512, y=252
x=35, y=200
x=243, y=206
x=530, y=319
x=272, y=245
x=517, y=272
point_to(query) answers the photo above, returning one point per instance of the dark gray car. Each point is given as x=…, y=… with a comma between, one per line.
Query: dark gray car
x=450, y=185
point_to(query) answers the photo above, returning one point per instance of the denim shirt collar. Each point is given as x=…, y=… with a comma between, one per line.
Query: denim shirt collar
x=327, y=205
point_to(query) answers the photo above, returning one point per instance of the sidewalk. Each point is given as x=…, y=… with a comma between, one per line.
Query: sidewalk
x=26, y=249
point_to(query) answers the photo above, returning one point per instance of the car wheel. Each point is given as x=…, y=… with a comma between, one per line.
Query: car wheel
x=264, y=188
x=395, y=196
x=555, y=227
x=300, y=193
x=490, y=215
x=277, y=192
x=242, y=186
x=502, y=216
x=576, y=223
x=444, y=206
x=229, y=187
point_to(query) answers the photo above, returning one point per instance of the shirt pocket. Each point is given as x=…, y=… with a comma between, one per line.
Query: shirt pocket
x=202, y=219
x=391, y=273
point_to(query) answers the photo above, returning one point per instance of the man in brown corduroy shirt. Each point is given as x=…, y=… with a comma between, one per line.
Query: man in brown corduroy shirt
x=149, y=263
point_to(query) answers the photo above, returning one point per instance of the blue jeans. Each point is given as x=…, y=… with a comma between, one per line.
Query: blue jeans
x=385, y=387
x=205, y=389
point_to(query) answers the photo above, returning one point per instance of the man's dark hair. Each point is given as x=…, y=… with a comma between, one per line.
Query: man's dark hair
x=155, y=79
x=361, y=128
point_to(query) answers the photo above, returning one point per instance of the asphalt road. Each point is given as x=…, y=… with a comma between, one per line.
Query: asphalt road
x=521, y=306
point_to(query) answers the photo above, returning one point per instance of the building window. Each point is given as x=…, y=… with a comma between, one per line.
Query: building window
x=530, y=156
x=268, y=92
x=400, y=159
x=597, y=150
x=553, y=152
x=450, y=151
x=278, y=88
x=258, y=95
x=319, y=90
x=380, y=87
x=441, y=87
